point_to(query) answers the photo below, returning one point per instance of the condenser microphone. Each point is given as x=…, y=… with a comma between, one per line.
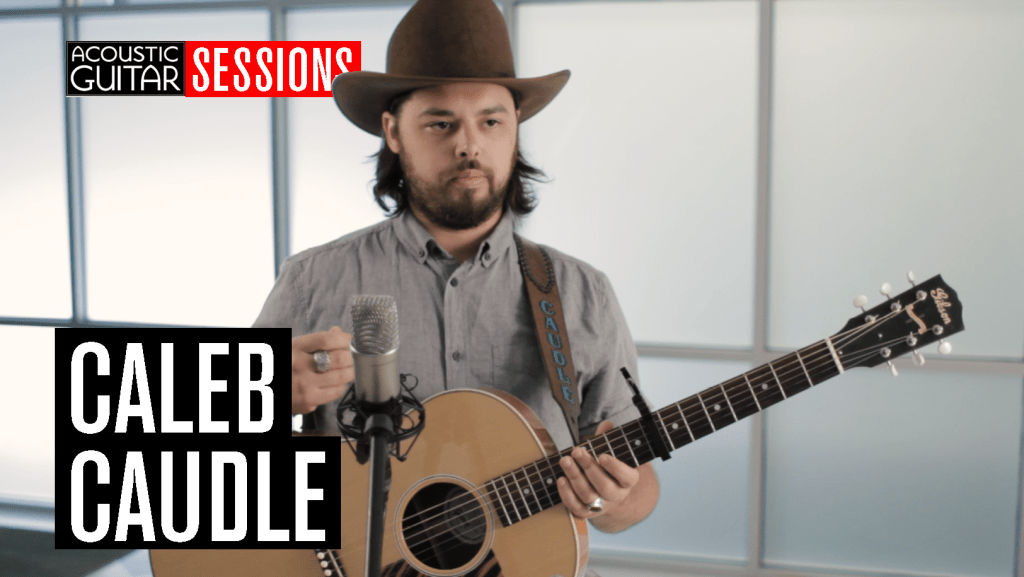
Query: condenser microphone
x=378, y=404
x=374, y=349
x=375, y=407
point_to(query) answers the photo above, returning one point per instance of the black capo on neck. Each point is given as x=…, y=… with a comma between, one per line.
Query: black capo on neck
x=647, y=420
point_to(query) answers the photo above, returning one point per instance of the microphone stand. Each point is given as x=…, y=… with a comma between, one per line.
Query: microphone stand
x=380, y=431
x=377, y=429
x=374, y=410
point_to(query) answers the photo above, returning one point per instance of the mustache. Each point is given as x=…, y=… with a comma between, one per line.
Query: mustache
x=468, y=164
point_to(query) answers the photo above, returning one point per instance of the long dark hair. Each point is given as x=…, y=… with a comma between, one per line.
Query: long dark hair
x=389, y=188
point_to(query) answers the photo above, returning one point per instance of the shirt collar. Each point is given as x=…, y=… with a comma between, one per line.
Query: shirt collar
x=421, y=245
x=498, y=243
x=413, y=236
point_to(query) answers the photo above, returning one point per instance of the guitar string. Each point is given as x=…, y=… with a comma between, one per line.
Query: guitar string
x=445, y=542
x=856, y=361
x=787, y=369
x=621, y=449
x=529, y=477
x=815, y=368
x=523, y=499
x=412, y=543
x=782, y=369
x=808, y=367
x=524, y=504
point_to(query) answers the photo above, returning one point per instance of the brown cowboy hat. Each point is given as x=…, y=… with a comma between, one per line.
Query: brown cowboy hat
x=440, y=42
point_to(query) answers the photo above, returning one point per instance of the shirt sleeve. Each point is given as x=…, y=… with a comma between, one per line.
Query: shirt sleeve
x=287, y=303
x=606, y=396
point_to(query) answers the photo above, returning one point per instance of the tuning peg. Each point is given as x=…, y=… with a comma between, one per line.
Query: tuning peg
x=944, y=347
x=910, y=278
x=885, y=289
x=918, y=358
x=860, y=301
x=892, y=369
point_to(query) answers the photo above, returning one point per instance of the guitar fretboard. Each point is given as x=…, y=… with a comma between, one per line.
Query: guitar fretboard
x=526, y=491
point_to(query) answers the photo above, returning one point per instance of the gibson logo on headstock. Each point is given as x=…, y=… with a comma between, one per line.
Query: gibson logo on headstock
x=942, y=303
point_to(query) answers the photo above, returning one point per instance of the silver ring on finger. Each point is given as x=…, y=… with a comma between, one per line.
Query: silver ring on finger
x=596, y=506
x=321, y=361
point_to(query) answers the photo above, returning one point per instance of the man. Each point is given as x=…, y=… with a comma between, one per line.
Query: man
x=448, y=110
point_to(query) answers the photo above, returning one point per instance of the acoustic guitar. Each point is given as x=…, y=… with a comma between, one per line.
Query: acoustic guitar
x=487, y=505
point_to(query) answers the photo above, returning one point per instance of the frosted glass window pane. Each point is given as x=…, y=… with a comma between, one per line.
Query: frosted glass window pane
x=175, y=1
x=897, y=145
x=919, y=475
x=33, y=174
x=651, y=146
x=26, y=412
x=330, y=166
x=704, y=486
x=178, y=205
x=15, y=4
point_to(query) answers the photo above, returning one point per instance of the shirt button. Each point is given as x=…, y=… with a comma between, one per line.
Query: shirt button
x=423, y=253
x=487, y=256
x=455, y=282
x=457, y=356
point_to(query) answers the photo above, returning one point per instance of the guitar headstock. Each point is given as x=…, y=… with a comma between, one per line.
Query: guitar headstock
x=927, y=313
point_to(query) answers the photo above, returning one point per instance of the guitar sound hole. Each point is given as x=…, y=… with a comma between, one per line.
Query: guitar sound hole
x=444, y=526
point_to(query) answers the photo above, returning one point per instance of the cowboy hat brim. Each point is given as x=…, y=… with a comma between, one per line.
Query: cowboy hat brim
x=361, y=96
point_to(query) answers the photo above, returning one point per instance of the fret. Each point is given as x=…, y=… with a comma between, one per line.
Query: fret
x=767, y=395
x=647, y=450
x=511, y=499
x=610, y=449
x=542, y=485
x=636, y=444
x=793, y=379
x=777, y=381
x=752, y=393
x=608, y=445
x=700, y=424
x=719, y=416
x=503, y=515
x=679, y=436
x=665, y=429
x=518, y=495
x=644, y=448
x=705, y=407
x=636, y=462
x=802, y=366
x=731, y=410
x=741, y=397
x=552, y=472
x=682, y=416
x=526, y=490
x=818, y=361
x=516, y=492
x=521, y=496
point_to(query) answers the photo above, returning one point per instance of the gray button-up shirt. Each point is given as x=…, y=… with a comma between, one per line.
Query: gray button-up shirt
x=464, y=326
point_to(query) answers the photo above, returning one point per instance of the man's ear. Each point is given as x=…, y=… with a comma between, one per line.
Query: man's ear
x=390, y=124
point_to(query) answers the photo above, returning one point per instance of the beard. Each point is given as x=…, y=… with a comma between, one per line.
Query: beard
x=452, y=207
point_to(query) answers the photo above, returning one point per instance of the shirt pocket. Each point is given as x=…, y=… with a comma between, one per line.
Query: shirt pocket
x=519, y=370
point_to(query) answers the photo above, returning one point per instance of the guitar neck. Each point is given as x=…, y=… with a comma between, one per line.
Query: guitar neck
x=526, y=491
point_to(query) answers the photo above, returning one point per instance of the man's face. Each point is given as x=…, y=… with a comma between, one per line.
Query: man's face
x=457, y=146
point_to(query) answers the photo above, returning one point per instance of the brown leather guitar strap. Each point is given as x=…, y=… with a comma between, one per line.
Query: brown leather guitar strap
x=546, y=305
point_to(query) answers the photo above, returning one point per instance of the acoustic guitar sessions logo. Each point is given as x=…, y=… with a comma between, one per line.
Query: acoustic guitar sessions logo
x=204, y=68
x=181, y=438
